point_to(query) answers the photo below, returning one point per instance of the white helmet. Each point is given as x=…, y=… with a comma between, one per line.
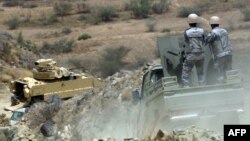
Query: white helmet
x=192, y=18
x=214, y=20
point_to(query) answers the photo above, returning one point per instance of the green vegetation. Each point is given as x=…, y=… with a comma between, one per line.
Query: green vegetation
x=83, y=8
x=165, y=30
x=12, y=3
x=161, y=6
x=185, y=11
x=111, y=60
x=106, y=13
x=62, y=8
x=99, y=14
x=199, y=8
x=239, y=5
x=26, y=44
x=52, y=19
x=61, y=46
x=140, y=8
x=151, y=23
x=84, y=36
x=246, y=13
x=66, y=30
x=13, y=23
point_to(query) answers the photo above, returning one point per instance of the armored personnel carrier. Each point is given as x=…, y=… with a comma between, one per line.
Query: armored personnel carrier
x=49, y=79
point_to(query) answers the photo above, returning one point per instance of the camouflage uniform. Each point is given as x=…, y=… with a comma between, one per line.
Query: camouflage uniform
x=194, y=55
x=222, y=51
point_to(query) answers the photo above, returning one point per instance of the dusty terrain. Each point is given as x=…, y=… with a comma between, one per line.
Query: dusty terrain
x=123, y=31
x=5, y=99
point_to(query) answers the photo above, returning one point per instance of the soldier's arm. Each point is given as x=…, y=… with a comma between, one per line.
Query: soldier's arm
x=210, y=37
x=186, y=40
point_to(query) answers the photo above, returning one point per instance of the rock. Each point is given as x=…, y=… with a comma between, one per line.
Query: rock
x=126, y=94
x=52, y=138
x=3, y=137
x=31, y=136
x=94, y=139
x=48, y=129
x=131, y=139
x=159, y=134
x=8, y=132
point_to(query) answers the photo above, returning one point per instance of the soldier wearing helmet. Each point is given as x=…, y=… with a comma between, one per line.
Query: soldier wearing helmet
x=220, y=44
x=193, y=51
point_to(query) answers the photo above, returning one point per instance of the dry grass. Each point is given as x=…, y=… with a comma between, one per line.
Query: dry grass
x=123, y=31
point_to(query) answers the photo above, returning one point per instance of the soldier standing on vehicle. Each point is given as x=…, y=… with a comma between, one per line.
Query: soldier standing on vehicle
x=220, y=44
x=193, y=51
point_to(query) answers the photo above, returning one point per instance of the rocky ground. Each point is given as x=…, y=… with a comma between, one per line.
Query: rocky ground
x=105, y=114
x=94, y=115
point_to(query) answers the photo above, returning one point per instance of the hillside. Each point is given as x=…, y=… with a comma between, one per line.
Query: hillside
x=112, y=40
x=72, y=38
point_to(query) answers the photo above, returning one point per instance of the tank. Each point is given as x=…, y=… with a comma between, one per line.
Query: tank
x=49, y=79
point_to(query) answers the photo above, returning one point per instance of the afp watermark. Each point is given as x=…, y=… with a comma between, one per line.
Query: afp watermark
x=236, y=132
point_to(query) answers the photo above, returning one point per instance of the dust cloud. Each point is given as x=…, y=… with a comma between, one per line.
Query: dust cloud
x=112, y=118
x=117, y=120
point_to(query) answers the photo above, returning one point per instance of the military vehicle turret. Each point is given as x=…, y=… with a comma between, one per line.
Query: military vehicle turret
x=49, y=79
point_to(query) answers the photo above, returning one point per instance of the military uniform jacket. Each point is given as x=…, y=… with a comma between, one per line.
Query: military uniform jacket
x=220, y=43
x=194, y=43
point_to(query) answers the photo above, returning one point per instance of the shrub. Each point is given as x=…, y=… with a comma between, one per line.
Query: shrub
x=62, y=8
x=185, y=11
x=13, y=23
x=52, y=20
x=161, y=6
x=239, y=5
x=26, y=44
x=45, y=19
x=103, y=13
x=139, y=62
x=165, y=30
x=66, y=30
x=246, y=13
x=84, y=36
x=29, y=5
x=5, y=36
x=83, y=8
x=92, y=18
x=61, y=46
x=151, y=23
x=81, y=18
x=247, y=26
x=12, y=3
x=111, y=60
x=199, y=8
x=140, y=8
x=84, y=63
x=20, y=39
x=106, y=13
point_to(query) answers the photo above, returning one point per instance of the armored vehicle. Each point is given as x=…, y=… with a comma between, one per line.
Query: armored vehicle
x=49, y=79
x=168, y=103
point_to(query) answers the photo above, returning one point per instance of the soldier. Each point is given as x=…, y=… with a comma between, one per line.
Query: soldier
x=219, y=41
x=193, y=51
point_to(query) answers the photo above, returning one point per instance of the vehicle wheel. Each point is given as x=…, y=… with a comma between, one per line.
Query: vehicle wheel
x=36, y=99
x=14, y=100
x=48, y=128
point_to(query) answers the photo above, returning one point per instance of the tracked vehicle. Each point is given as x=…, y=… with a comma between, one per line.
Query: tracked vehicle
x=49, y=79
x=168, y=104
